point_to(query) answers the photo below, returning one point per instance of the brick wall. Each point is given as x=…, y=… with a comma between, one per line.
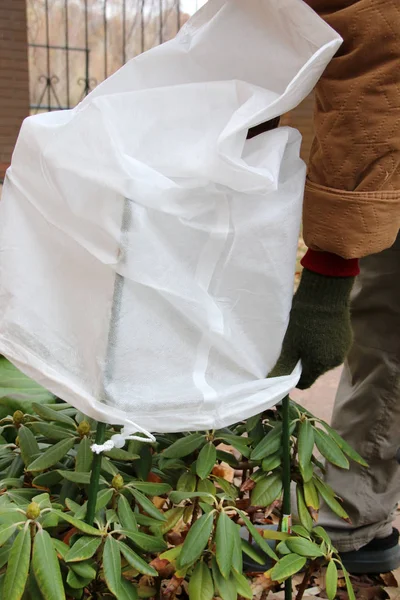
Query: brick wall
x=14, y=78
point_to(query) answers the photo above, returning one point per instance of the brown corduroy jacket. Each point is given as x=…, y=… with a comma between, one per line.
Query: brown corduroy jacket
x=352, y=199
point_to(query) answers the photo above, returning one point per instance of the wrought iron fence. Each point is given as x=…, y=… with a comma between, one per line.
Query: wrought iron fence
x=75, y=44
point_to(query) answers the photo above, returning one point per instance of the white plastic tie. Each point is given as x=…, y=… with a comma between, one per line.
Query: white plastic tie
x=127, y=434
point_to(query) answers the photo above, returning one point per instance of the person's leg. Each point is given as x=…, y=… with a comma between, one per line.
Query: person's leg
x=367, y=408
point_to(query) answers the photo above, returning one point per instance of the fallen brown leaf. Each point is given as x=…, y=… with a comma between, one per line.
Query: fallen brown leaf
x=393, y=593
x=396, y=575
x=389, y=579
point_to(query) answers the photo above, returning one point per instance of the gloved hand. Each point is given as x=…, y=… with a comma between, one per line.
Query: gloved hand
x=319, y=331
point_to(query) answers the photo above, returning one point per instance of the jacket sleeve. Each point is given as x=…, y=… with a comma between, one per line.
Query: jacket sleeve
x=352, y=197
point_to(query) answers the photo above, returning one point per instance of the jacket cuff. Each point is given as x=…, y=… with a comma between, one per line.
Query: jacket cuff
x=350, y=224
x=331, y=265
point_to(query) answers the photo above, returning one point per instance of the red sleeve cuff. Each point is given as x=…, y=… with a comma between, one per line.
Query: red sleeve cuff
x=331, y=265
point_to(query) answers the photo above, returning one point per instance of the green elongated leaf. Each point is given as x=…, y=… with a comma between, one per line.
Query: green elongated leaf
x=63, y=406
x=172, y=554
x=143, y=465
x=15, y=469
x=84, y=456
x=206, y=460
x=79, y=478
x=112, y=565
x=33, y=588
x=343, y=445
x=177, y=497
x=243, y=586
x=330, y=500
x=282, y=548
x=252, y=552
x=108, y=467
x=201, y=586
x=43, y=500
x=49, y=520
x=75, y=582
x=330, y=450
x=207, y=486
x=121, y=455
x=231, y=438
x=47, y=568
x=111, y=516
x=267, y=490
x=147, y=505
x=18, y=566
x=227, y=588
x=206, y=508
x=307, y=472
x=287, y=566
x=75, y=477
x=331, y=580
x=60, y=547
x=224, y=540
x=196, y=541
x=269, y=445
x=52, y=432
x=6, y=531
x=227, y=457
x=271, y=534
x=239, y=443
x=311, y=496
x=147, y=521
x=84, y=570
x=237, y=556
x=82, y=511
x=80, y=525
x=148, y=543
x=186, y=482
x=72, y=506
x=52, y=455
x=126, y=515
x=127, y=591
x=350, y=590
x=305, y=448
x=272, y=462
x=136, y=561
x=6, y=461
x=173, y=517
x=253, y=422
x=303, y=547
x=302, y=531
x=184, y=446
x=28, y=445
x=17, y=391
x=47, y=480
x=11, y=482
x=4, y=554
x=304, y=515
x=21, y=497
x=48, y=414
x=228, y=489
x=84, y=548
x=257, y=537
x=152, y=489
x=103, y=498
x=321, y=533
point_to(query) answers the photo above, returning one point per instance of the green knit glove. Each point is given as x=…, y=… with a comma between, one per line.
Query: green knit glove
x=319, y=331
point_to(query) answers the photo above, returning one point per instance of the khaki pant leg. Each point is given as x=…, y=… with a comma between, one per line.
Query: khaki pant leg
x=367, y=407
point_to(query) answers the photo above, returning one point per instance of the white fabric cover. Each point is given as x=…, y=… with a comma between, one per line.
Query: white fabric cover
x=147, y=250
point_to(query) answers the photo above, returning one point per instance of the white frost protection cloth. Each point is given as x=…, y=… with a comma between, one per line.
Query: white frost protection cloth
x=147, y=249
